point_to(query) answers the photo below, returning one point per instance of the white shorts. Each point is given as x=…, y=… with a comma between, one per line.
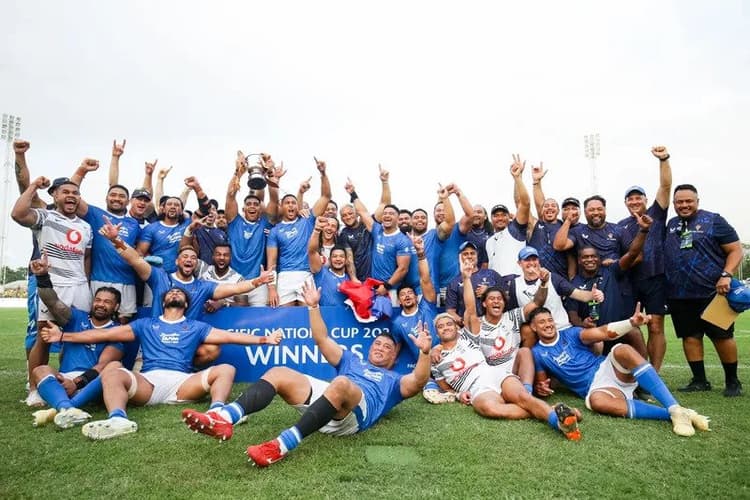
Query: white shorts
x=78, y=296
x=166, y=384
x=72, y=375
x=258, y=297
x=289, y=286
x=605, y=376
x=490, y=379
x=127, y=296
x=344, y=427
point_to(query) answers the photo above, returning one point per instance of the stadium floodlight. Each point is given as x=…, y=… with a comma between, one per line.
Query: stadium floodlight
x=592, y=149
x=10, y=131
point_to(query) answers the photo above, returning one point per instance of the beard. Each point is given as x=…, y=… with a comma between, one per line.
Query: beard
x=178, y=303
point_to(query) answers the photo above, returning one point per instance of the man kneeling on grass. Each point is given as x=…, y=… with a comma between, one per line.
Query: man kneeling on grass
x=607, y=383
x=493, y=391
x=361, y=393
x=168, y=344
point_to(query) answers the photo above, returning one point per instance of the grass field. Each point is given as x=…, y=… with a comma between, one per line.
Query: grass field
x=417, y=451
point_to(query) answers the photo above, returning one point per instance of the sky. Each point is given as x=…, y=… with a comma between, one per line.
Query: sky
x=434, y=91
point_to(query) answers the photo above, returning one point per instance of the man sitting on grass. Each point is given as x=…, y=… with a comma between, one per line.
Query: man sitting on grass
x=607, y=383
x=361, y=393
x=168, y=344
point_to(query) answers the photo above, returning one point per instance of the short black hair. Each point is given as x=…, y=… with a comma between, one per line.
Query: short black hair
x=394, y=207
x=536, y=312
x=389, y=336
x=223, y=244
x=253, y=197
x=405, y=211
x=491, y=289
x=596, y=197
x=120, y=186
x=109, y=289
x=685, y=187
x=419, y=210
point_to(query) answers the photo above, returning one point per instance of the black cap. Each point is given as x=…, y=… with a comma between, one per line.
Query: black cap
x=499, y=208
x=141, y=193
x=59, y=182
x=571, y=201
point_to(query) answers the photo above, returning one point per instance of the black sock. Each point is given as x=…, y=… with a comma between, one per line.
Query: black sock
x=730, y=372
x=698, y=369
x=316, y=416
x=256, y=397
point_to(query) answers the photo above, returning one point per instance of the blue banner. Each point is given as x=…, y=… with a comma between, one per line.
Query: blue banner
x=298, y=350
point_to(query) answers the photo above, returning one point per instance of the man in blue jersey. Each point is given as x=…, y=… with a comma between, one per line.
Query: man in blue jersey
x=701, y=251
x=360, y=394
x=447, y=265
x=168, y=344
x=186, y=263
x=481, y=279
x=286, y=248
x=107, y=268
x=329, y=277
x=606, y=383
x=206, y=236
x=76, y=383
x=248, y=230
x=647, y=277
x=605, y=236
x=162, y=238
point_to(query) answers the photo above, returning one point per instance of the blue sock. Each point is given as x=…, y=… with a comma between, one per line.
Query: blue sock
x=289, y=439
x=216, y=405
x=552, y=420
x=90, y=393
x=232, y=412
x=642, y=410
x=118, y=412
x=647, y=378
x=431, y=385
x=53, y=393
x=529, y=388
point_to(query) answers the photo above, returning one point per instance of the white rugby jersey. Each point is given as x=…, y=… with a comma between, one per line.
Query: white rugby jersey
x=208, y=273
x=460, y=366
x=64, y=240
x=500, y=342
x=525, y=295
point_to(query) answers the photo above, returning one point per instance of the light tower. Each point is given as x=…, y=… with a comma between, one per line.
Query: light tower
x=11, y=129
x=592, y=150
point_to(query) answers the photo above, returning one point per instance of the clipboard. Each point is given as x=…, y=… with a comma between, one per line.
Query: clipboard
x=718, y=312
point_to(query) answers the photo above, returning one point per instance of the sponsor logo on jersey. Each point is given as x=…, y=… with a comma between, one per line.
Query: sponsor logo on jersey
x=170, y=338
x=562, y=358
x=375, y=376
x=74, y=236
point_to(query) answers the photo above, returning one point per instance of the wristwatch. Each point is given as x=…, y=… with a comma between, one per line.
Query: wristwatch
x=725, y=274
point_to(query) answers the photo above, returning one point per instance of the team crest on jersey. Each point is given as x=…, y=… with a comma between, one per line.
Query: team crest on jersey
x=291, y=233
x=174, y=237
x=562, y=358
x=584, y=236
x=247, y=234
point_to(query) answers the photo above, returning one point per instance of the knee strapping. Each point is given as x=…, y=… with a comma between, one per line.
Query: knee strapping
x=616, y=364
x=204, y=379
x=133, y=382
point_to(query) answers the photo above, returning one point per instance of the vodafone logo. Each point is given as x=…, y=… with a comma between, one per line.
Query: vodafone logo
x=458, y=364
x=499, y=343
x=74, y=236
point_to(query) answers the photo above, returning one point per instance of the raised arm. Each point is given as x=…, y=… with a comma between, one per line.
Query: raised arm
x=524, y=202
x=203, y=205
x=114, y=163
x=87, y=165
x=219, y=336
x=328, y=348
x=60, y=311
x=123, y=333
x=444, y=228
x=428, y=289
x=23, y=177
x=630, y=257
x=225, y=290
x=188, y=237
x=148, y=185
x=562, y=242
x=385, y=192
x=537, y=174
x=665, y=176
x=231, y=210
x=325, y=189
x=128, y=253
x=464, y=223
x=273, y=178
x=304, y=187
x=615, y=329
x=313, y=246
x=159, y=190
x=360, y=207
x=22, y=211
x=471, y=315
x=413, y=383
x=540, y=296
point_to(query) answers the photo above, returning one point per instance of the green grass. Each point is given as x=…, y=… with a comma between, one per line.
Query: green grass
x=417, y=451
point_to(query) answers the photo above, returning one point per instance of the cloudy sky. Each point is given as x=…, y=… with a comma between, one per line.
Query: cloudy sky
x=435, y=91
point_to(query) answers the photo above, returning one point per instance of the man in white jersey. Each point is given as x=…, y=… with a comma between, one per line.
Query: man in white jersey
x=168, y=343
x=494, y=392
x=220, y=272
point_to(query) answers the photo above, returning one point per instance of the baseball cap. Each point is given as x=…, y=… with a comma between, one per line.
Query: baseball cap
x=465, y=245
x=635, y=189
x=527, y=252
x=499, y=208
x=141, y=193
x=59, y=182
x=571, y=201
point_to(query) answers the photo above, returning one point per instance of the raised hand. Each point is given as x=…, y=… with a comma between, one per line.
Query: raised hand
x=89, y=164
x=538, y=172
x=422, y=340
x=192, y=183
x=20, y=146
x=240, y=164
x=544, y=274
x=467, y=269
x=597, y=294
x=383, y=173
x=644, y=221
x=516, y=168
x=118, y=149
x=660, y=152
x=320, y=165
x=40, y=266
x=349, y=186
x=310, y=294
x=109, y=230
x=196, y=223
x=163, y=172
x=267, y=162
x=41, y=183
x=150, y=166
x=418, y=244
x=305, y=185
x=639, y=318
x=443, y=192
x=321, y=223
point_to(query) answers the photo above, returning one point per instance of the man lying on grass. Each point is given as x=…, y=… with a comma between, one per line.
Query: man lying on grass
x=606, y=383
x=168, y=344
x=361, y=393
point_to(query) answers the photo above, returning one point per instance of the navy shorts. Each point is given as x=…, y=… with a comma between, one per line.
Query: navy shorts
x=686, y=317
x=651, y=293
